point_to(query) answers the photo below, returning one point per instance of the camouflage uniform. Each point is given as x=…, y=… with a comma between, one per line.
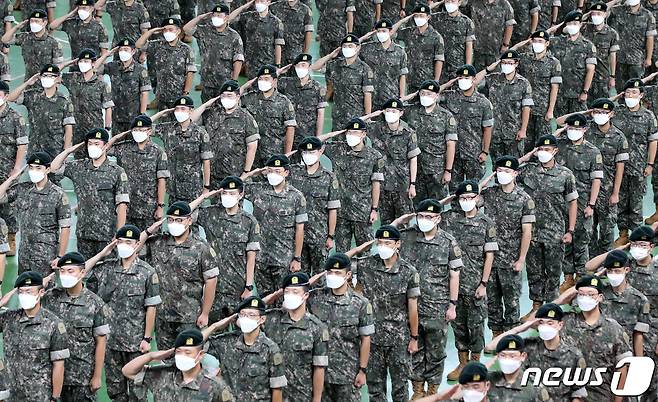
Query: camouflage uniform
x=264, y=34
x=38, y=52
x=250, y=370
x=233, y=236
x=303, y=345
x=509, y=211
x=12, y=135
x=4, y=246
x=388, y=66
x=333, y=22
x=350, y=84
x=308, y=99
x=503, y=391
x=182, y=270
x=127, y=21
x=574, y=57
x=186, y=149
x=127, y=87
x=423, y=51
x=490, y=18
x=606, y=41
x=640, y=128
x=273, y=115
x=28, y=6
x=434, y=130
x=651, y=102
x=630, y=308
x=6, y=14
x=398, y=147
x=5, y=75
x=166, y=382
x=128, y=292
x=364, y=19
x=523, y=12
x=86, y=317
x=508, y=99
x=30, y=347
x=86, y=35
x=653, y=8
x=158, y=11
x=297, y=21
x=89, y=99
x=144, y=167
x=457, y=32
x=278, y=214
x=436, y=259
x=391, y=9
x=349, y=318
x=551, y=189
x=171, y=65
x=389, y=290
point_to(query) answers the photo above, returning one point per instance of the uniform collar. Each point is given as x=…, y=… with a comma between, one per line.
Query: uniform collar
x=379, y=266
x=255, y=348
x=171, y=241
x=36, y=320
x=303, y=322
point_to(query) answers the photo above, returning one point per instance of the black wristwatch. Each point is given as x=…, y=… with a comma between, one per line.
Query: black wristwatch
x=206, y=186
x=374, y=209
x=297, y=258
x=483, y=283
x=148, y=339
x=414, y=337
x=54, y=399
x=330, y=236
x=364, y=369
x=249, y=287
x=453, y=302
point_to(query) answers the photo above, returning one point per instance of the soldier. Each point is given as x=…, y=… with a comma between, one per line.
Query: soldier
x=544, y=74
x=38, y=46
x=511, y=97
x=458, y=31
x=88, y=316
x=474, y=115
x=27, y=7
x=274, y=113
x=393, y=286
x=187, y=267
x=147, y=166
x=474, y=383
x=641, y=130
x=43, y=213
x=40, y=363
x=349, y=83
x=365, y=19
x=297, y=19
x=424, y=47
x=606, y=40
x=489, y=16
x=513, y=212
x=337, y=20
x=188, y=144
x=526, y=14
x=281, y=211
x=130, y=86
x=130, y=19
x=553, y=189
x=4, y=249
x=614, y=148
x=577, y=57
x=349, y=317
x=308, y=96
x=220, y=47
x=186, y=380
x=82, y=29
x=586, y=163
x=251, y=362
x=173, y=62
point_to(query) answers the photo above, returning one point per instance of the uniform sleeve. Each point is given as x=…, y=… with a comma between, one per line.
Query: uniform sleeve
x=614, y=42
x=205, y=148
x=278, y=34
x=509, y=16
x=59, y=342
x=67, y=79
x=455, y=256
x=103, y=38
x=378, y=169
x=58, y=53
x=470, y=31
x=191, y=66
x=122, y=189
x=308, y=21
x=591, y=55
x=653, y=130
x=4, y=230
x=69, y=119
x=451, y=130
x=651, y=25
x=277, y=369
x=144, y=20
x=320, y=357
x=152, y=296
x=413, y=284
x=556, y=73
x=289, y=119
x=621, y=343
x=19, y=131
x=301, y=216
x=5, y=75
x=106, y=97
x=366, y=320
x=622, y=149
x=597, y=166
x=404, y=64
x=412, y=146
x=329, y=71
x=487, y=116
x=238, y=49
x=8, y=12
x=63, y=211
x=570, y=192
x=368, y=76
x=101, y=326
x=490, y=242
x=253, y=242
x=333, y=199
x=68, y=25
x=527, y=96
x=162, y=166
x=439, y=49
x=534, y=7
x=209, y=264
x=528, y=212
x=19, y=39
x=350, y=5
x=322, y=97
x=144, y=81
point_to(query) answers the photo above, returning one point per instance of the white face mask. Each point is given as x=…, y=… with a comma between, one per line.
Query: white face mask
x=631, y=102
x=508, y=366
x=217, y=22
x=36, y=175
x=348, y=52
x=228, y=103
x=47, y=82
x=385, y=252
x=427, y=101
x=125, y=250
x=260, y=7
x=181, y=116
x=464, y=84
x=94, y=152
x=597, y=19
x=35, y=27
x=601, y=118
x=632, y=2
x=68, y=281
x=274, y=179
x=573, y=29
x=139, y=136
x=616, y=279
x=84, y=66
x=301, y=72
x=170, y=36
x=544, y=156
x=391, y=117
x=292, y=302
x=471, y=395
x=451, y=7
x=228, y=201
x=546, y=332
x=184, y=363
x=383, y=36
x=575, y=135
x=420, y=21
x=425, y=225
x=586, y=303
x=352, y=140
x=176, y=229
x=310, y=159
x=538, y=47
x=334, y=281
x=264, y=86
x=467, y=205
x=504, y=177
x=83, y=14
x=125, y=56
x=27, y=301
x=507, y=68
x=639, y=253
x=247, y=325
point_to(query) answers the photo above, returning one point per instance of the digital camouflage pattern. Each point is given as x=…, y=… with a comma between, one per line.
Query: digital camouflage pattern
x=523, y=12
x=90, y=99
x=502, y=391
x=634, y=28
x=38, y=51
x=158, y=10
x=350, y=84
x=397, y=147
x=456, y=32
x=388, y=65
x=297, y=20
x=47, y=118
x=171, y=65
x=127, y=87
x=264, y=34
x=332, y=23
x=574, y=56
x=166, y=383
x=86, y=35
x=423, y=51
x=606, y=41
x=12, y=135
x=128, y=21
x=630, y=308
x=307, y=99
x=489, y=20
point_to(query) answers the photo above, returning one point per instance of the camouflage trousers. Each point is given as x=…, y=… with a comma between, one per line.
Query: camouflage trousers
x=599, y=89
x=77, y=393
x=118, y=386
x=393, y=204
x=469, y=324
x=313, y=256
x=430, y=186
x=7, y=213
x=502, y=148
x=625, y=72
x=120, y=126
x=577, y=252
x=341, y=393
x=544, y=266
x=345, y=230
x=187, y=10
x=481, y=60
x=392, y=359
x=537, y=127
x=428, y=362
x=654, y=185
x=566, y=105
x=222, y=307
x=603, y=225
x=268, y=278
x=36, y=256
x=168, y=331
x=466, y=168
x=90, y=248
x=650, y=342
x=503, y=292
x=629, y=214
x=208, y=92
x=328, y=44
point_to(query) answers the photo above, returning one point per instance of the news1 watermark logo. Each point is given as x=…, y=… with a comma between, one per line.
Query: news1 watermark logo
x=638, y=378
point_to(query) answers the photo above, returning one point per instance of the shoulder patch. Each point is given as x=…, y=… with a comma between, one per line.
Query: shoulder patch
x=544, y=394
x=581, y=363
x=369, y=308
x=325, y=335
x=531, y=204
x=155, y=279
x=457, y=251
x=226, y=395
x=599, y=158
x=257, y=228
x=164, y=156
x=145, y=74
x=625, y=144
x=626, y=337
x=371, y=75
x=65, y=200
x=646, y=309
x=492, y=232
x=452, y=122
x=277, y=359
x=212, y=252
x=107, y=311
x=61, y=328
x=254, y=122
x=414, y=137
x=416, y=278
x=334, y=183
x=291, y=108
x=381, y=163
x=124, y=176
x=21, y=120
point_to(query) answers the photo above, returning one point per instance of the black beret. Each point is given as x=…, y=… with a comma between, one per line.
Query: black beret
x=551, y=311
x=467, y=186
x=384, y=23
x=29, y=278
x=356, y=124
x=131, y=232
x=179, y=208
x=590, y=281
x=603, y=103
x=466, y=70
x=634, y=83
x=98, y=134
x=221, y=8
x=473, y=372
x=189, y=337
x=510, y=342
x=40, y=158
x=310, y=143
x=38, y=14
x=422, y=8
x=85, y=2
x=184, y=101
x=230, y=86
x=430, y=85
x=267, y=69
x=616, y=259
x=303, y=57
x=278, y=160
x=231, y=183
x=541, y=34
x=72, y=258
x=338, y=261
x=251, y=302
x=393, y=103
x=387, y=232
x=576, y=120
x=141, y=121
x=171, y=21
x=429, y=205
x=294, y=279
x=574, y=15
x=508, y=161
x=350, y=39
x=549, y=140
x=599, y=7
x=642, y=233
x=4, y=87
x=126, y=42
x=50, y=68
x=509, y=55
x=87, y=54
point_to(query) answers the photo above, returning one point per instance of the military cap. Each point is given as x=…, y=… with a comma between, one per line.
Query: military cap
x=251, y=302
x=184, y=101
x=189, y=337
x=87, y=54
x=38, y=14
x=295, y=279
x=466, y=70
x=473, y=372
x=642, y=233
x=603, y=103
x=338, y=261
x=590, y=281
x=72, y=258
x=179, y=208
x=576, y=120
x=29, y=278
x=509, y=55
x=510, y=342
x=267, y=69
x=98, y=134
x=393, y=103
x=40, y=158
x=230, y=86
x=467, y=186
x=429, y=205
x=126, y=42
x=356, y=124
x=634, y=83
x=541, y=35
x=221, y=8
x=507, y=161
x=279, y=160
x=171, y=21
x=384, y=23
x=422, y=8
x=231, y=183
x=599, y=6
x=387, y=232
x=303, y=57
x=50, y=68
x=4, y=87
x=350, y=39
x=574, y=15
x=85, y=2
x=141, y=121
x=551, y=311
x=547, y=140
x=616, y=259
x=430, y=85
x=310, y=143
x=130, y=232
